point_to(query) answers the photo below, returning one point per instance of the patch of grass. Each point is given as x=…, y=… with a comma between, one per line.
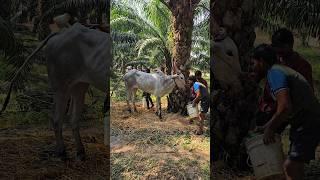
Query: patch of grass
x=147, y=137
x=13, y=119
x=191, y=143
x=313, y=56
x=119, y=164
x=131, y=167
x=138, y=166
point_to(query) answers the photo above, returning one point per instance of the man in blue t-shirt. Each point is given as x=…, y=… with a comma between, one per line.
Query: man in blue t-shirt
x=202, y=96
x=296, y=104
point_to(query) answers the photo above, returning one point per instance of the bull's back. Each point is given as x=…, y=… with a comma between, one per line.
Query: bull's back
x=135, y=79
x=79, y=54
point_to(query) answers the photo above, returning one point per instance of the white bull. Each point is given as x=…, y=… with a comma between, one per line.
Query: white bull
x=225, y=61
x=157, y=84
x=76, y=58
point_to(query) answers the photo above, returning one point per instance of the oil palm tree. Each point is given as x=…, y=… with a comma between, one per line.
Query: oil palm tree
x=155, y=21
x=240, y=18
x=183, y=13
x=150, y=21
x=232, y=114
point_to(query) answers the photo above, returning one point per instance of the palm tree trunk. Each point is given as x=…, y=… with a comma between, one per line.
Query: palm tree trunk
x=232, y=115
x=168, y=60
x=182, y=19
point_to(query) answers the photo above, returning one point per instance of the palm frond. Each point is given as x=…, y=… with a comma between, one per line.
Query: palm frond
x=160, y=16
x=148, y=44
x=7, y=38
x=295, y=14
x=130, y=19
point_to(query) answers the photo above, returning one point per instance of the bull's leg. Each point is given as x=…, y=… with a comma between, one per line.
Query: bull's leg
x=61, y=99
x=129, y=99
x=78, y=96
x=159, y=107
x=69, y=108
x=134, y=91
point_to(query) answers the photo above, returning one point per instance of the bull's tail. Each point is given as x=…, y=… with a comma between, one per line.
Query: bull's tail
x=42, y=44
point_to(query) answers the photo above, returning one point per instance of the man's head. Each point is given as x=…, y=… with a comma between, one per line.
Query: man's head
x=282, y=42
x=198, y=74
x=263, y=58
x=192, y=80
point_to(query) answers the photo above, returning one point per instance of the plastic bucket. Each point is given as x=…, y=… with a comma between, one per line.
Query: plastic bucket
x=144, y=102
x=266, y=160
x=192, y=111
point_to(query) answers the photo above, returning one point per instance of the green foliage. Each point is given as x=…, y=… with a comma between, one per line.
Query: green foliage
x=7, y=39
x=151, y=22
x=312, y=55
x=200, y=56
x=295, y=14
x=24, y=119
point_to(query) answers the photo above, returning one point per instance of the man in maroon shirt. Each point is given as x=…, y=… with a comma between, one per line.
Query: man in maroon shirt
x=198, y=75
x=282, y=42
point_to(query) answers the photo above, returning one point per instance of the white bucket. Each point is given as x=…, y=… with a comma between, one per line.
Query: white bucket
x=266, y=160
x=144, y=102
x=192, y=111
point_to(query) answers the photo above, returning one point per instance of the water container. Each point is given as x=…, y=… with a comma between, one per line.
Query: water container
x=192, y=111
x=144, y=102
x=266, y=160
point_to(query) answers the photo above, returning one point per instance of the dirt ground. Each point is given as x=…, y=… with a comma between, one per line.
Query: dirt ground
x=143, y=147
x=28, y=153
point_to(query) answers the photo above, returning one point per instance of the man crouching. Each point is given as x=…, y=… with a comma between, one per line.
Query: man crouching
x=296, y=105
x=202, y=96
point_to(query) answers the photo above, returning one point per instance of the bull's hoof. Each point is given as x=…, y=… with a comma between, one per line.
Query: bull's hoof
x=81, y=156
x=135, y=110
x=62, y=154
x=129, y=110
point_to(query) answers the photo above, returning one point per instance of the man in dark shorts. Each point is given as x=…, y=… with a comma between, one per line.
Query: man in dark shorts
x=296, y=105
x=282, y=43
x=202, y=96
x=147, y=95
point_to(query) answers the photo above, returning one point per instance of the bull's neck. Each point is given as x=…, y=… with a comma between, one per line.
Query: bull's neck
x=168, y=85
